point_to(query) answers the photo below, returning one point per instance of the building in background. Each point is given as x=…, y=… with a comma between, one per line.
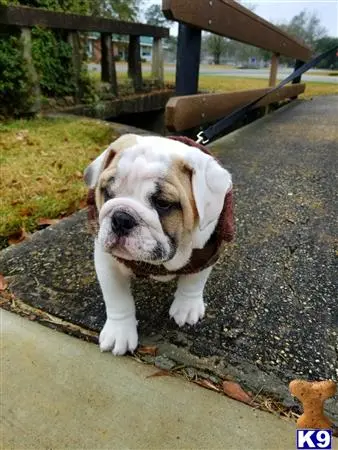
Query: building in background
x=119, y=47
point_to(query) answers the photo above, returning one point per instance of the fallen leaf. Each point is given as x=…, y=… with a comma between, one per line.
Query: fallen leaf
x=161, y=373
x=3, y=283
x=62, y=190
x=26, y=212
x=234, y=390
x=83, y=204
x=21, y=135
x=147, y=350
x=18, y=237
x=16, y=202
x=208, y=384
x=45, y=221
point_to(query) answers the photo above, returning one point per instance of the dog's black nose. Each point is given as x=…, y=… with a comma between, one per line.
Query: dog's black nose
x=122, y=223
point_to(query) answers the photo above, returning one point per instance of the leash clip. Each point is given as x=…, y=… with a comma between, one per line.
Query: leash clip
x=201, y=139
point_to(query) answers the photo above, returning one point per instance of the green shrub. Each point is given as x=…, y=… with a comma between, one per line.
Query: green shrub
x=15, y=98
x=53, y=61
x=52, y=57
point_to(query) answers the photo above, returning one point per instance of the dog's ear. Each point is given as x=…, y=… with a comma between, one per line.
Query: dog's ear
x=93, y=171
x=210, y=184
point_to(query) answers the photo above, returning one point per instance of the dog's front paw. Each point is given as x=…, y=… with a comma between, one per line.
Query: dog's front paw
x=187, y=310
x=119, y=336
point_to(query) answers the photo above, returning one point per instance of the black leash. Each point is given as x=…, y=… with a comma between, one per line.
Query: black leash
x=204, y=137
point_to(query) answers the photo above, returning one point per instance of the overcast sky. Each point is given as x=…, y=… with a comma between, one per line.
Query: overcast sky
x=284, y=10
x=280, y=10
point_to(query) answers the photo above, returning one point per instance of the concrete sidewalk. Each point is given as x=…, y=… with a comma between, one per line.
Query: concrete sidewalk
x=59, y=392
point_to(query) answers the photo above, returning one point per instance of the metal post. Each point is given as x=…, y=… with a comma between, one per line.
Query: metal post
x=297, y=80
x=188, y=60
x=298, y=64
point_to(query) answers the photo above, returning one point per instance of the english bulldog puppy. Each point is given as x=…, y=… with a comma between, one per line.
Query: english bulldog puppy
x=162, y=208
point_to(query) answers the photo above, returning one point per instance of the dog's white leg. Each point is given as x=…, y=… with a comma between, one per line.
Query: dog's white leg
x=188, y=305
x=119, y=333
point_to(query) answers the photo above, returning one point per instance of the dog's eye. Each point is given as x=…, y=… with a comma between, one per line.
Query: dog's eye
x=107, y=193
x=107, y=190
x=161, y=204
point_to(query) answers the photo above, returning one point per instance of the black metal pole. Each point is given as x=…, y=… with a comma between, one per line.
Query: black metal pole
x=297, y=80
x=188, y=60
x=298, y=64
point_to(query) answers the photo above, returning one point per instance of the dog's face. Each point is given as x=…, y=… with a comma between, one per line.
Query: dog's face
x=157, y=198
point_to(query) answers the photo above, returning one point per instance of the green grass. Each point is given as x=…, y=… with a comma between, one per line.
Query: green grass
x=219, y=83
x=227, y=84
x=330, y=73
x=42, y=162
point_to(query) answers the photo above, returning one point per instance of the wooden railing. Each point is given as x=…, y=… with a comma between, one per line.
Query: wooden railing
x=25, y=18
x=227, y=18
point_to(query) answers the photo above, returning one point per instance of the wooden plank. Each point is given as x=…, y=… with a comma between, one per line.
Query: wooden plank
x=108, y=70
x=230, y=19
x=35, y=93
x=273, y=70
x=74, y=40
x=188, y=60
x=29, y=17
x=157, y=61
x=191, y=111
x=134, y=62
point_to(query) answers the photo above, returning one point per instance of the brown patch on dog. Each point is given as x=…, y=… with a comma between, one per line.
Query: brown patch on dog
x=177, y=187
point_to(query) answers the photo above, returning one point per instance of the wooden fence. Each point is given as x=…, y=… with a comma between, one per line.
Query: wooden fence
x=25, y=18
x=227, y=18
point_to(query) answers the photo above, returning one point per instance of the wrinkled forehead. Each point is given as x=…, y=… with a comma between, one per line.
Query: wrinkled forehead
x=141, y=163
x=150, y=158
x=141, y=170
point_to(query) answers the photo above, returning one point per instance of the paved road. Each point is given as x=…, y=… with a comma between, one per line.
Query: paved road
x=319, y=77
x=264, y=74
